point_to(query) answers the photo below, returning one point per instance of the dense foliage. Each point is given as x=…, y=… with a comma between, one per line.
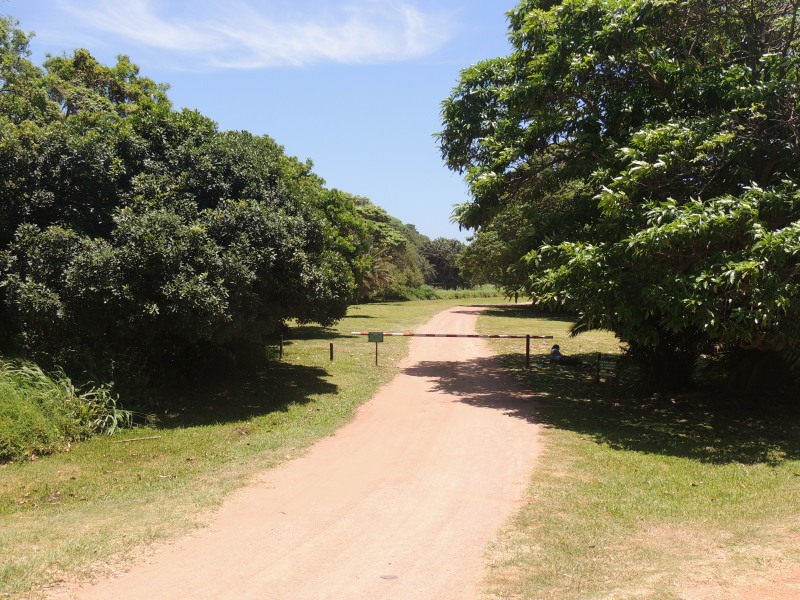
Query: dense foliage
x=443, y=255
x=137, y=239
x=396, y=269
x=638, y=162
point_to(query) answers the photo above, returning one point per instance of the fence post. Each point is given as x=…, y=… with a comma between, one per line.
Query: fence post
x=528, y=351
x=599, y=359
x=331, y=351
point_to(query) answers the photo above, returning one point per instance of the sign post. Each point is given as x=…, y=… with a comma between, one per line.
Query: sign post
x=377, y=337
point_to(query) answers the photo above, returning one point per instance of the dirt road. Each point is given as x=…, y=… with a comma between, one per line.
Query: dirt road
x=400, y=504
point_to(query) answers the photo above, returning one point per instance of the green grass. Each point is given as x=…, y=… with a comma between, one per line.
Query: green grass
x=482, y=291
x=73, y=514
x=643, y=497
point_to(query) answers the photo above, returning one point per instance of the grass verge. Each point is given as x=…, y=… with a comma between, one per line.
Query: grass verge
x=644, y=497
x=77, y=514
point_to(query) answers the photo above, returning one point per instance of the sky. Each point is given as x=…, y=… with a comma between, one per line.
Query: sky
x=354, y=85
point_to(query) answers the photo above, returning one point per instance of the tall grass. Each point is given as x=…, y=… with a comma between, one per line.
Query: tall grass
x=427, y=292
x=481, y=291
x=41, y=414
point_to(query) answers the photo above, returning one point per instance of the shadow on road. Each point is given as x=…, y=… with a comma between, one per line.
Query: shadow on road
x=479, y=382
x=689, y=426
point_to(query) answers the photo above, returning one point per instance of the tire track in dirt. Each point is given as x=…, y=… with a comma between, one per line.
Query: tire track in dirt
x=400, y=504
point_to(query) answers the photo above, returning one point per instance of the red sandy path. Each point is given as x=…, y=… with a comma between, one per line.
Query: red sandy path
x=400, y=504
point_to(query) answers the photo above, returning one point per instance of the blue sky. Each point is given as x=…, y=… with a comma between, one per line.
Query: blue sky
x=354, y=85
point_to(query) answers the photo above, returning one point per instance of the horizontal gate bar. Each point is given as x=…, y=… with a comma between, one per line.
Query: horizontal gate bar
x=457, y=335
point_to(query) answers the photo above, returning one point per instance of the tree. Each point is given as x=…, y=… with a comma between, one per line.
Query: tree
x=22, y=93
x=133, y=234
x=660, y=142
x=396, y=269
x=443, y=255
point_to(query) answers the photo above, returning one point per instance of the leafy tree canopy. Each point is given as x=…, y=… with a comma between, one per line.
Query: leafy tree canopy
x=137, y=237
x=396, y=268
x=443, y=255
x=648, y=151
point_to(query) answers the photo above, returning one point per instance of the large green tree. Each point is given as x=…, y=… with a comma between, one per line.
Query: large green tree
x=138, y=236
x=651, y=149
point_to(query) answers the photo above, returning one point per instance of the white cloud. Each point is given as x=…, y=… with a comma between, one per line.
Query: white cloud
x=253, y=35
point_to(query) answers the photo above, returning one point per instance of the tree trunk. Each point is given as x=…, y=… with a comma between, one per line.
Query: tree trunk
x=753, y=372
x=668, y=366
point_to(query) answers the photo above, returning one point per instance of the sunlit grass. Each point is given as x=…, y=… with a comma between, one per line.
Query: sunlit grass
x=643, y=496
x=483, y=291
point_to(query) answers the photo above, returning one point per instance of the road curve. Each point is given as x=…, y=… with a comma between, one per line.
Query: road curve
x=400, y=504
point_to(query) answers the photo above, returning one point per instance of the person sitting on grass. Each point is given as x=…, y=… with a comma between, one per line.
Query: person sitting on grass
x=557, y=357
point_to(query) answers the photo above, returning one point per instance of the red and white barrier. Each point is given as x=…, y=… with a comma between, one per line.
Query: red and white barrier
x=457, y=335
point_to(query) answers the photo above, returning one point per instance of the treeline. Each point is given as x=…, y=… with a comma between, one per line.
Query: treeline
x=140, y=239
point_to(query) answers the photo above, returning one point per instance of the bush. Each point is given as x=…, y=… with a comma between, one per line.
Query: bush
x=423, y=292
x=42, y=414
x=129, y=229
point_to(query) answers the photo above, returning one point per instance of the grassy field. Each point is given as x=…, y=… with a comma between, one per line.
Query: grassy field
x=645, y=497
x=633, y=497
x=75, y=514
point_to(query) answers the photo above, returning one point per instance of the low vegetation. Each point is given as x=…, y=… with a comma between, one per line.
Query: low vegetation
x=635, y=495
x=41, y=414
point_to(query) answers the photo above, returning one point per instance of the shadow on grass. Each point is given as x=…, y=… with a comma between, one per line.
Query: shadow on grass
x=697, y=426
x=307, y=332
x=525, y=311
x=241, y=395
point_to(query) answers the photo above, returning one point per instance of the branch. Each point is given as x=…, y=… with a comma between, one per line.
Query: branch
x=792, y=29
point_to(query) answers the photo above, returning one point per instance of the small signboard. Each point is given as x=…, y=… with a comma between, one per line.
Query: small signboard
x=375, y=336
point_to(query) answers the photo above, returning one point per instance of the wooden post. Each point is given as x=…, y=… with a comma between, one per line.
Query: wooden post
x=528, y=351
x=376, y=354
x=599, y=358
x=331, y=351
